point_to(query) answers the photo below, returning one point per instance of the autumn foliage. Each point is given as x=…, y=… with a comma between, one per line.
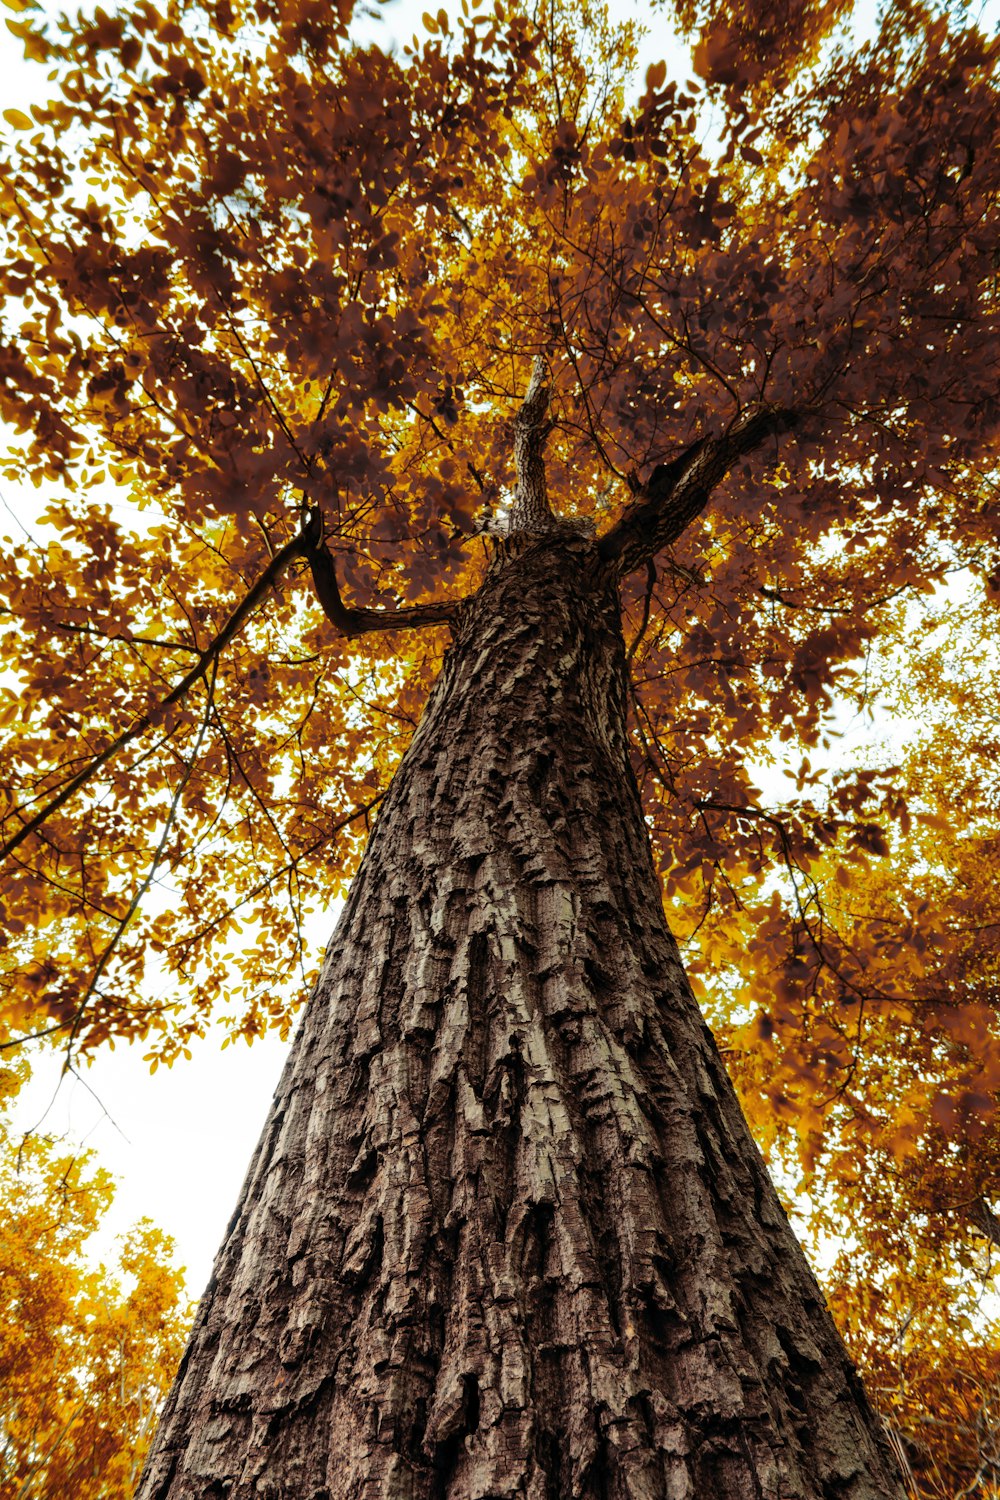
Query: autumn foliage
x=87, y=1352
x=272, y=295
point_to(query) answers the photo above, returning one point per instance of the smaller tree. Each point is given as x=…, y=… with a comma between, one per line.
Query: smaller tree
x=86, y=1355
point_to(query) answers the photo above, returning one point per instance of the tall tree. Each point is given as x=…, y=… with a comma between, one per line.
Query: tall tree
x=658, y=432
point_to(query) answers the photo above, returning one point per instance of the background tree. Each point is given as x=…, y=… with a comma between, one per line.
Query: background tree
x=86, y=1354
x=893, y=965
x=295, y=307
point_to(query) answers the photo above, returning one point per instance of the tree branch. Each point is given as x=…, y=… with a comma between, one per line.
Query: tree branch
x=677, y=492
x=352, y=622
x=247, y=605
x=150, y=875
x=307, y=543
x=106, y=635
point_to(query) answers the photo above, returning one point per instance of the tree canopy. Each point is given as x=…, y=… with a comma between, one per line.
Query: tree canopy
x=271, y=300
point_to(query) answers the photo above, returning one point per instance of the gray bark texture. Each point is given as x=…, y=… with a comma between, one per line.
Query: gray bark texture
x=506, y=1233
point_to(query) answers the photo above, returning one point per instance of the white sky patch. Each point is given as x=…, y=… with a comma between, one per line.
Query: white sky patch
x=179, y=1141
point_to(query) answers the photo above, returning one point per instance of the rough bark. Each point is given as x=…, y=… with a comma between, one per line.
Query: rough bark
x=506, y=1232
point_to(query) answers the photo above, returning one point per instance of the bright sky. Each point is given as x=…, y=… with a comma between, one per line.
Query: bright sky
x=179, y=1141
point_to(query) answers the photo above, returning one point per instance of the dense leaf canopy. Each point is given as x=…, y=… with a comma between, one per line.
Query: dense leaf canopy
x=261, y=280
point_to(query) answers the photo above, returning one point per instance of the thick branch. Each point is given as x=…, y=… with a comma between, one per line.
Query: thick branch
x=530, y=510
x=981, y=1216
x=351, y=622
x=677, y=492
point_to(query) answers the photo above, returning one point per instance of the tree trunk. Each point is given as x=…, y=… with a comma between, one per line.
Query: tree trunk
x=506, y=1232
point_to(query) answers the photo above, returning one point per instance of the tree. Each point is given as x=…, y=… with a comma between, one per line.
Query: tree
x=84, y=1361
x=349, y=318
x=909, y=1289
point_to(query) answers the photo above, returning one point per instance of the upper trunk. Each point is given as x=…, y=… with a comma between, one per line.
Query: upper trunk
x=506, y=1232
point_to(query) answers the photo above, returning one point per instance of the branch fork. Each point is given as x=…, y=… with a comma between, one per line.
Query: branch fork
x=353, y=622
x=678, y=491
